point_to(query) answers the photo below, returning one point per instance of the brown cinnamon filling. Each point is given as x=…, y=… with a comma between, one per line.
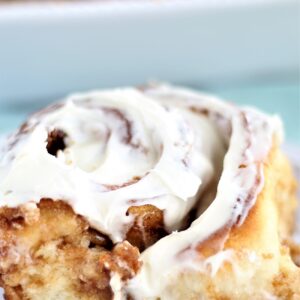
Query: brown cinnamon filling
x=148, y=226
x=113, y=187
x=127, y=137
x=98, y=239
x=56, y=141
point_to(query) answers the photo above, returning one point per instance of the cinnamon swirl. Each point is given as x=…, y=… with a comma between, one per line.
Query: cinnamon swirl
x=151, y=193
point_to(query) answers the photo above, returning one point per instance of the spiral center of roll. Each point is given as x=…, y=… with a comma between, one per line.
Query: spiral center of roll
x=114, y=156
x=109, y=146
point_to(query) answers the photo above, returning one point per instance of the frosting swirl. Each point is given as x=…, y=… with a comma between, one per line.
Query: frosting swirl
x=171, y=148
x=120, y=146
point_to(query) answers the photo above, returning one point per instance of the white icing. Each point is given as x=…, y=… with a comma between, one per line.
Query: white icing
x=269, y=296
x=116, y=285
x=214, y=262
x=161, y=261
x=97, y=156
x=115, y=136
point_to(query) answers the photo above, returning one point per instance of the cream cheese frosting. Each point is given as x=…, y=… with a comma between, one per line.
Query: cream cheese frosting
x=249, y=135
x=160, y=145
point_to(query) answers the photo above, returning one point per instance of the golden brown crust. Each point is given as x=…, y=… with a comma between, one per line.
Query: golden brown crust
x=259, y=263
x=125, y=253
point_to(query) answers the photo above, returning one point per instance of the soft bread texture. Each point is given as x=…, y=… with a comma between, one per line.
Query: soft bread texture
x=259, y=265
x=51, y=253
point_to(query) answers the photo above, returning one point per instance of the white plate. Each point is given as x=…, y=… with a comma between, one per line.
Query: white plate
x=49, y=50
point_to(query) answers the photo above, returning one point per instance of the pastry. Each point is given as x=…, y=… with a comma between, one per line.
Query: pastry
x=155, y=192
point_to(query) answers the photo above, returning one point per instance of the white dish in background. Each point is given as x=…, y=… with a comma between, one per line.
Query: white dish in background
x=48, y=50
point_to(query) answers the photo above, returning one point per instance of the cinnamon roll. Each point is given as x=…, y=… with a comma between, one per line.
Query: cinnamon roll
x=155, y=192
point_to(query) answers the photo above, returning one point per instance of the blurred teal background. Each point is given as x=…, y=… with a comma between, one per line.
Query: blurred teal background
x=283, y=100
x=244, y=51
